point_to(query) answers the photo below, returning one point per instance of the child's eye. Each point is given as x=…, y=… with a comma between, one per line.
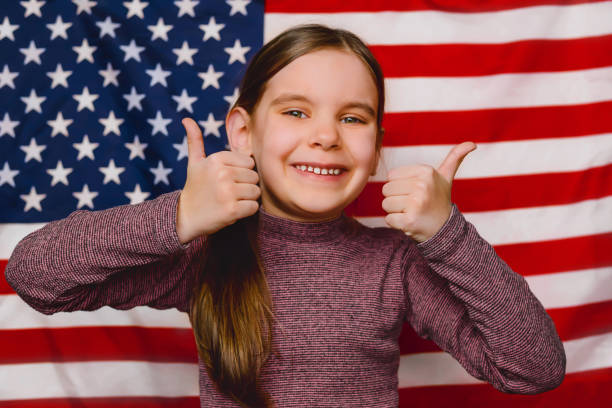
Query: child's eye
x=296, y=113
x=352, y=119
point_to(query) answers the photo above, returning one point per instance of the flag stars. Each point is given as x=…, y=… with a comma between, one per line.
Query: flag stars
x=33, y=102
x=107, y=27
x=85, y=197
x=212, y=29
x=59, y=28
x=136, y=148
x=231, y=99
x=134, y=99
x=7, y=126
x=59, y=77
x=210, y=77
x=182, y=149
x=238, y=6
x=7, y=29
x=86, y=148
x=111, y=124
x=184, y=54
x=211, y=126
x=32, y=7
x=33, y=151
x=110, y=75
x=59, y=125
x=7, y=77
x=237, y=52
x=84, y=6
x=111, y=172
x=132, y=50
x=137, y=196
x=159, y=124
x=161, y=173
x=32, y=200
x=158, y=75
x=85, y=51
x=160, y=30
x=7, y=175
x=184, y=101
x=186, y=7
x=59, y=174
x=85, y=100
x=32, y=53
x=135, y=8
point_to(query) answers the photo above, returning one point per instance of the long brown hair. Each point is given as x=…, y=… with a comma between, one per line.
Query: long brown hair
x=231, y=309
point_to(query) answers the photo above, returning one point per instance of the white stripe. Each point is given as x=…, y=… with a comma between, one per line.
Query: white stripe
x=534, y=224
x=510, y=158
x=436, y=27
x=426, y=369
x=16, y=314
x=420, y=94
x=98, y=379
x=11, y=234
x=574, y=288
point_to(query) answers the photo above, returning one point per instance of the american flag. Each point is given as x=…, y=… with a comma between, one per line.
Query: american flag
x=91, y=97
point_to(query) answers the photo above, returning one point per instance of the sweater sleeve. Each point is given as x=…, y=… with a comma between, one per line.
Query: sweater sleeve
x=121, y=257
x=466, y=299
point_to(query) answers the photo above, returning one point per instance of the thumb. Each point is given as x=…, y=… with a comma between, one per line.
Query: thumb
x=451, y=163
x=195, y=143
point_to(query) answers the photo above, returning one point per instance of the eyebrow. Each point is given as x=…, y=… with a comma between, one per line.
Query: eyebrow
x=284, y=98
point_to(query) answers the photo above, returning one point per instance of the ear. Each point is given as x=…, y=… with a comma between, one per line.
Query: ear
x=238, y=132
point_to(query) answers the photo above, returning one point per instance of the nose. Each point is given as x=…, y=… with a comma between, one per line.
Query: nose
x=326, y=135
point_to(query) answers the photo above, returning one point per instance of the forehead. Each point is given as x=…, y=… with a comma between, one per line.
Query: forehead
x=328, y=75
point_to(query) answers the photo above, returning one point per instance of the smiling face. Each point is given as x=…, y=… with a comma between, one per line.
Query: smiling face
x=316, y=116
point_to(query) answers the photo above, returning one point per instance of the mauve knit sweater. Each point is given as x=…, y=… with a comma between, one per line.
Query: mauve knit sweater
x=341, y=292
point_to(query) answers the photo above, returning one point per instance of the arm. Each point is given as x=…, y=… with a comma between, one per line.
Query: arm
x=466, y=299
x=122, y=257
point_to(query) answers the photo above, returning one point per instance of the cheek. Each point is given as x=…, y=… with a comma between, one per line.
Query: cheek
x=363, y=149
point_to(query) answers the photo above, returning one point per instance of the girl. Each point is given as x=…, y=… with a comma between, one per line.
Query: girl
x=293, y=303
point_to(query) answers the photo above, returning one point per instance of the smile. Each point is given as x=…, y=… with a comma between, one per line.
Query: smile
x=318, y=170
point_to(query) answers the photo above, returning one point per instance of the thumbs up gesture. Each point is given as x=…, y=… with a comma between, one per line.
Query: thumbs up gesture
x=418, y=197
x=219, y=189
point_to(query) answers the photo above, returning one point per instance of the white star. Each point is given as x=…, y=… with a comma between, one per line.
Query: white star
x=159, y=124
x=182, y=149
x=7, y=175
x=135, y=8
x=59, y=174
x=136, y=148
x=7, y=77
x=59, y=77
x=184, y=101
x=161, y=173
x=8, y=126
x=160, y=30
x=131, y=51
x=185, y=54
x=211, y=30
x=86, y=148
x=107, y=27
x=237, y=52
x=59, y=28
x=238, y=6
x=85, y=197
x=84, y=5
x=109, y=75
x=231, y=99
x=211, y=126
x=85, y=51
x=186, y=7
x=32, y=7
x=210, y=77
x=32, y=200
x=137, y=196
x=111, y=173
x=158, y=75
x=85, y=100
x=7, y=29
x=60, y=125
x=33, y=101
x=33, y=151
x=32, y=53
x=134, y=99
x=111, y=124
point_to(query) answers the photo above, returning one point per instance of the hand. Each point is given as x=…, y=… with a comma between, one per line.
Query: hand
x=219, y=189
x=418, y=197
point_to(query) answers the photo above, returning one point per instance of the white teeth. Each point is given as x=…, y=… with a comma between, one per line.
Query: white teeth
x=318, y=170
x=324, y=172
x=309, y=168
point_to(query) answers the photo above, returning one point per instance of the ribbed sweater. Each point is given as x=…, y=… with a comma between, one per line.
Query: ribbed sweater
x=341, y=292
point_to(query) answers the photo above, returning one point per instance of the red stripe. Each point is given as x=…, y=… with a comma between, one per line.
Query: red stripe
x=496, y=125
x=323, y=6
x=97, y=344
x=115, y=402
x=488, y=59
x=500, y=193
x=585, y=389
